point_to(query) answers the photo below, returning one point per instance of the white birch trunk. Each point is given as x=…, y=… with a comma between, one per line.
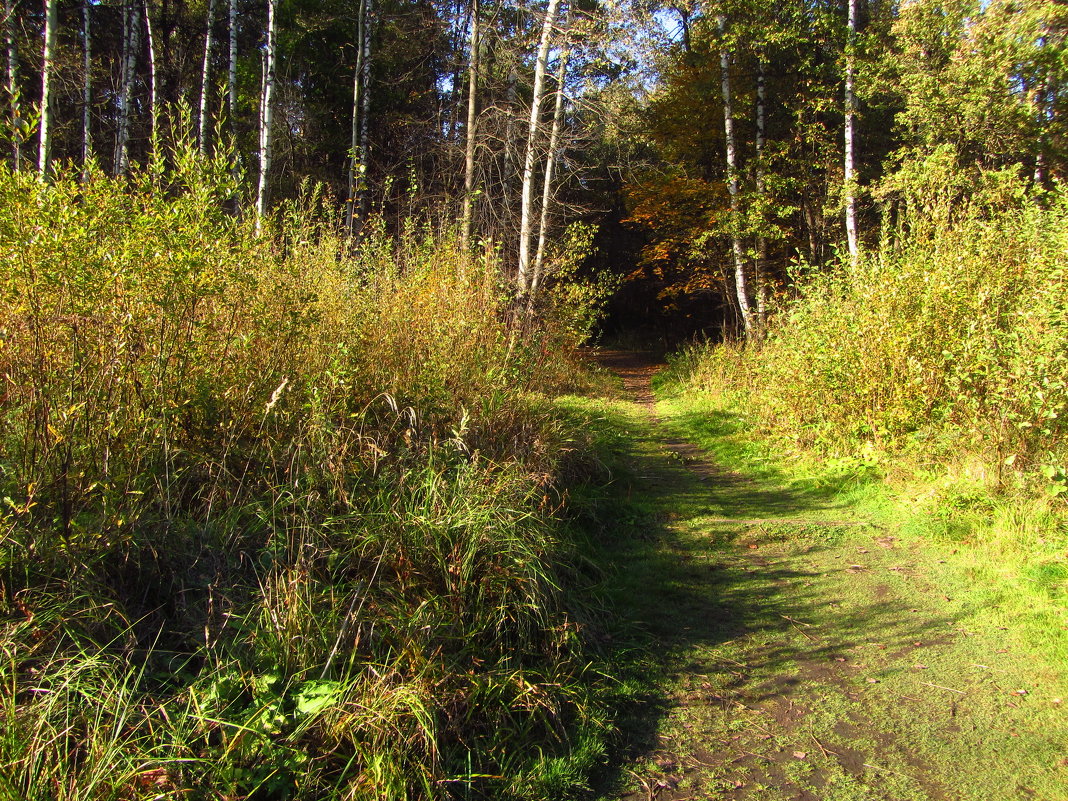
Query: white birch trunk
x=523, y=275
x=131, y=27
x=550, y=166
x=472, y=121
x=354, y=145
x=365, y=113
x=12, y=82
x=231, y=77
x=153, y=86
x=87, y=89
x=205, y=78
x=266, y=113
x=44, y=153
x=850, y=134
x=760, y=272
x=732, y=182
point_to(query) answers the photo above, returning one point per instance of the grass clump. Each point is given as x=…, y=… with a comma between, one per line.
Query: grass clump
x=277, y=510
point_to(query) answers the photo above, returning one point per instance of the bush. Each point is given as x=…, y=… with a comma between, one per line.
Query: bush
x=274, y=508
x=954, y=338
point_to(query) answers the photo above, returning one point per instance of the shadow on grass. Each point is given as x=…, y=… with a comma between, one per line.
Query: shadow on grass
x=688, y=566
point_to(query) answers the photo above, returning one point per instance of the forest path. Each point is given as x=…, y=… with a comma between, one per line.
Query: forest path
x=787, y=650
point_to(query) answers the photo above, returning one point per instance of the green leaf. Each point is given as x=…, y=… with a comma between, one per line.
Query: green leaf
x=315, y=696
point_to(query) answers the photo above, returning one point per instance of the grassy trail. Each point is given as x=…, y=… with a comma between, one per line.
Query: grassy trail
x=784, y=649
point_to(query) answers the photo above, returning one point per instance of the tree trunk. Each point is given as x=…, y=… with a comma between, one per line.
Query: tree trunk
x=205, y=78
x=266, y=112
x=812, y=227
x=153, y=86
x=550, y=165
x=44, y=153
x=87, y=90
x=761, y=263
x=365, y=113
x=732, y=182
x=131, y=29
x=850, y=134
x=231, y=78
x=523, y=275
x=13, y=93
x=355, y=164
x=472, y=120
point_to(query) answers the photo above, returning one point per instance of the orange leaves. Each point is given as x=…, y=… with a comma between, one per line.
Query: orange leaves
x=680, y=213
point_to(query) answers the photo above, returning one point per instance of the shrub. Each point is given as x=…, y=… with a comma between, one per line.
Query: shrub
x=273, y=515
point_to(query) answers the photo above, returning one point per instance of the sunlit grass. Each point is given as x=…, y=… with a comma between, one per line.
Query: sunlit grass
x=278, y=514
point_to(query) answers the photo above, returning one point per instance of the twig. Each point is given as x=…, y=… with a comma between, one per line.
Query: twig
x=820, y=745
x=940, y=687
x=797, y=625
x=886, y=770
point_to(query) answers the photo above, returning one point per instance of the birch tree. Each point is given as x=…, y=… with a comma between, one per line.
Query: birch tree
x=267, y=111
x=205, y=78
x=87, y=89
x=44, y=153
x=741, y=292
x=365, y=111
x=131, y=40
x=850, y=133
x=12, y=83
x=356, y=146
x=760, y=266
x=231, y=73
x=550, y=166
x=527, y=188
x=153, y=84
x=470, y=132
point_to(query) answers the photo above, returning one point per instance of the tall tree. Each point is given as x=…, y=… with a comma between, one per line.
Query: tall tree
x=365, y=109
x=550, y=168
x=131, y=26
x=267, y=110
x=205, y=80
x=153, y=83
x=44, y=154
x=760, y=264
x=741, y=291
x=231, y=73
x=357, y=166
x=527, y=186
x=12, y=82
x=470, y=130
x=87, y=89
x=850, y=180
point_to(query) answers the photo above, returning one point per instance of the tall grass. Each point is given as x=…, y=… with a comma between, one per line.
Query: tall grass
x=275, y=510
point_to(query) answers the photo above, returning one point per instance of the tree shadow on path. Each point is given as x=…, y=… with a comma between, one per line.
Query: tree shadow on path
x=710, y=577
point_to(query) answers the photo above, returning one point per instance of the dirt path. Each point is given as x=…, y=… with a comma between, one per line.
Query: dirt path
x=790, y=651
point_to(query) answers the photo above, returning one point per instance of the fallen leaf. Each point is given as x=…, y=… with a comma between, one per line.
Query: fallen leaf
x=800, y=755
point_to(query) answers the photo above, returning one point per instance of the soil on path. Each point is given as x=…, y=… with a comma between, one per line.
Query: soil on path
x=792, y=652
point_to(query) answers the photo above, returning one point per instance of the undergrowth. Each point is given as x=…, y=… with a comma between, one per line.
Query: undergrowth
x=937, y=364
x=278, y=511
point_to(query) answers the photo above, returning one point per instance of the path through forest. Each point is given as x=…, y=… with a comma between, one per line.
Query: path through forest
x=792, y=651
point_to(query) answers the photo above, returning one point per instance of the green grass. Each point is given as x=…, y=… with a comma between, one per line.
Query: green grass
x=1005, y=548
x=742, y=644
x=279, y=513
